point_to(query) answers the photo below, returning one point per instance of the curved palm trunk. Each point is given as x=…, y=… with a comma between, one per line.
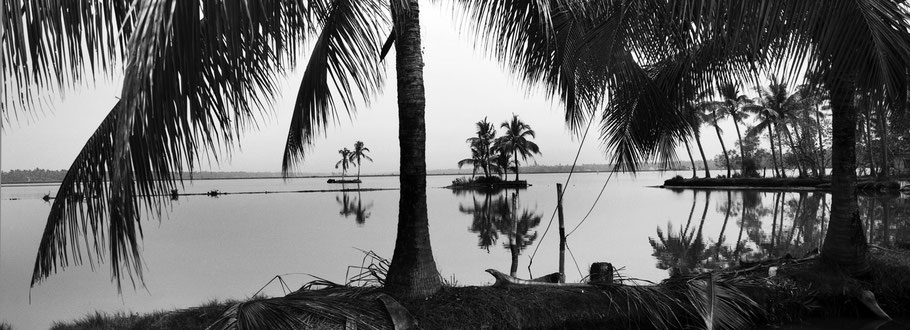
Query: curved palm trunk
x=796, y=152
x=358, y=168
x=722, y=146
x=773, y=157
x=692, y=160
x=412, y=273
x=821, y=145
x=780, y=152
x=703, y=159
x=742, y=152
x=845, y=245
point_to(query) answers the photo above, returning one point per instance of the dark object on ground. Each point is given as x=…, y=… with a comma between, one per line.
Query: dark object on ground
x=486, y=184
x=213, y=193
x=601, y=273
x=342, y=181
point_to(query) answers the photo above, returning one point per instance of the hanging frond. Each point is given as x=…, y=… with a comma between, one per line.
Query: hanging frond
x=198, y=74
x=344, y=66
x=50, y=45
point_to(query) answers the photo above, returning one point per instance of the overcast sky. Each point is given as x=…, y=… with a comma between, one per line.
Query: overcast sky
x=462, y=87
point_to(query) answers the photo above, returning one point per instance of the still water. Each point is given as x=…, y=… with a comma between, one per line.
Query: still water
x=230, y=246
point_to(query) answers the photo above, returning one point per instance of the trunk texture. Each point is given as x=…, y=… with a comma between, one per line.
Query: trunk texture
x=412, y=273
x=703, y=159
x=821, y=145
x=692, y=160
x=773, y=157
x=722, y=146
x=845, y=245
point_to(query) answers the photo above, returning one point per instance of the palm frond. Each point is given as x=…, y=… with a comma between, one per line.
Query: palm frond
x=196, y=75
x=48, y=45
x=344, y=65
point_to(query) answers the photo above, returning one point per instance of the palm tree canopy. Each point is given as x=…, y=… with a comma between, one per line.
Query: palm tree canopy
x=360, y=151
x=516, y=141
x=226, y=55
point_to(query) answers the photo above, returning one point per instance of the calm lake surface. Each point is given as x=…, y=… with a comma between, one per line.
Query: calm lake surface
x=230, y=246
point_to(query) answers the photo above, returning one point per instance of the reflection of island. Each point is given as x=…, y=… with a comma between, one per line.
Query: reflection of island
x=353, y=206
x=766, y=225
x=499, y=214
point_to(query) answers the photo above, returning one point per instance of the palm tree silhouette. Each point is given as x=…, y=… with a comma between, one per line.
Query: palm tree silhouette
x=515, y=141
x=344, y=162
x=359, y=152
x=481, y=147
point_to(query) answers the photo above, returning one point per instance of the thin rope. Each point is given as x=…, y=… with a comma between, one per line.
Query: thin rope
x=562, y=193
x=595, y=203
x=580, y=275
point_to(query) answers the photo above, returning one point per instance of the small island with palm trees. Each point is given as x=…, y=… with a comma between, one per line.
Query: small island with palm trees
x=351, y=158
x=495, y=156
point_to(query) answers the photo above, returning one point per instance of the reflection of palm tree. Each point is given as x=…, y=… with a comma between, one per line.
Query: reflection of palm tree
x=354, y=207
x=679, y=253
x=495, y=215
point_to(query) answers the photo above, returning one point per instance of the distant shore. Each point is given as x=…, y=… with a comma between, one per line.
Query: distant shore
x=314, y=176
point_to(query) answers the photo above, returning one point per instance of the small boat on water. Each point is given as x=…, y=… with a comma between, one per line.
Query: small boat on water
x=343, y=181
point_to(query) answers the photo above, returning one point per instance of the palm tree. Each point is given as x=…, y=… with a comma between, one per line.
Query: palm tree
x=733, y=103
x=515, y=142
x=219, y=60
x=359, y=152
x=481, y=146
x=709, y=109
x=642, y=52
x=344, y=162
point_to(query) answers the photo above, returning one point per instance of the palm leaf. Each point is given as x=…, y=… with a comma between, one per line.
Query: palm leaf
x=197, y=73
x=344, y=65
x=48, y=45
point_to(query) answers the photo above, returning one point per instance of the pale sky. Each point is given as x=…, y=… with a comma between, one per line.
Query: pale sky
x=462, y=87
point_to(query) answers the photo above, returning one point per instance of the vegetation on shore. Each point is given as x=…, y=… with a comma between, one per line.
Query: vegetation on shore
x=867, y=184
x=750, y=294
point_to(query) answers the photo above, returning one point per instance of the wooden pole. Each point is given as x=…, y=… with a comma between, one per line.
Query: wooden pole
x=562, y=235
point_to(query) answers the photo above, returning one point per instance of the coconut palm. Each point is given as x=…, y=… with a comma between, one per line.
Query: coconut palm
x=219, y=61
x=710, y=109
x=854, y=45
x=515, y=142
x=345, y=161
x=359, y=152
x=733, y=104
x=482, y=143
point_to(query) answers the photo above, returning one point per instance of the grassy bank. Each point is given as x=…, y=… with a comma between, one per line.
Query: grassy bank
x=745, y=295
x=868, y=184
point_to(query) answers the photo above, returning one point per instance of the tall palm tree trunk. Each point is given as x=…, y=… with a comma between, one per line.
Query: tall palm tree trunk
x=883, y=138
x=742, y=152
x=821, y=145
x=796, y=152
x=845, y=245
x=780, y=152
x=722, y=146
x=773, y=157
x=868, y=136
x=412, y=273
x=516, y=166
x=702, y=152
x=358, y=168
x=691, y=160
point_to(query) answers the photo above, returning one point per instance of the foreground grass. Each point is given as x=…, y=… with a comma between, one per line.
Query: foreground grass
x=802, y=289
x=191, y=318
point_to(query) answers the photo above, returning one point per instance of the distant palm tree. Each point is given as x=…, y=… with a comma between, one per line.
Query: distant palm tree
x=475, y=161
x=482, y=146
x=710, y=111
x=516, y=141
x=344, y=162
x=359, y=152
x=733, y=103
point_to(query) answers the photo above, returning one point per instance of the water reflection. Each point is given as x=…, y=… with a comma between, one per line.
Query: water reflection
x=495, y=214
x=352, y=205
x=760, y=225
